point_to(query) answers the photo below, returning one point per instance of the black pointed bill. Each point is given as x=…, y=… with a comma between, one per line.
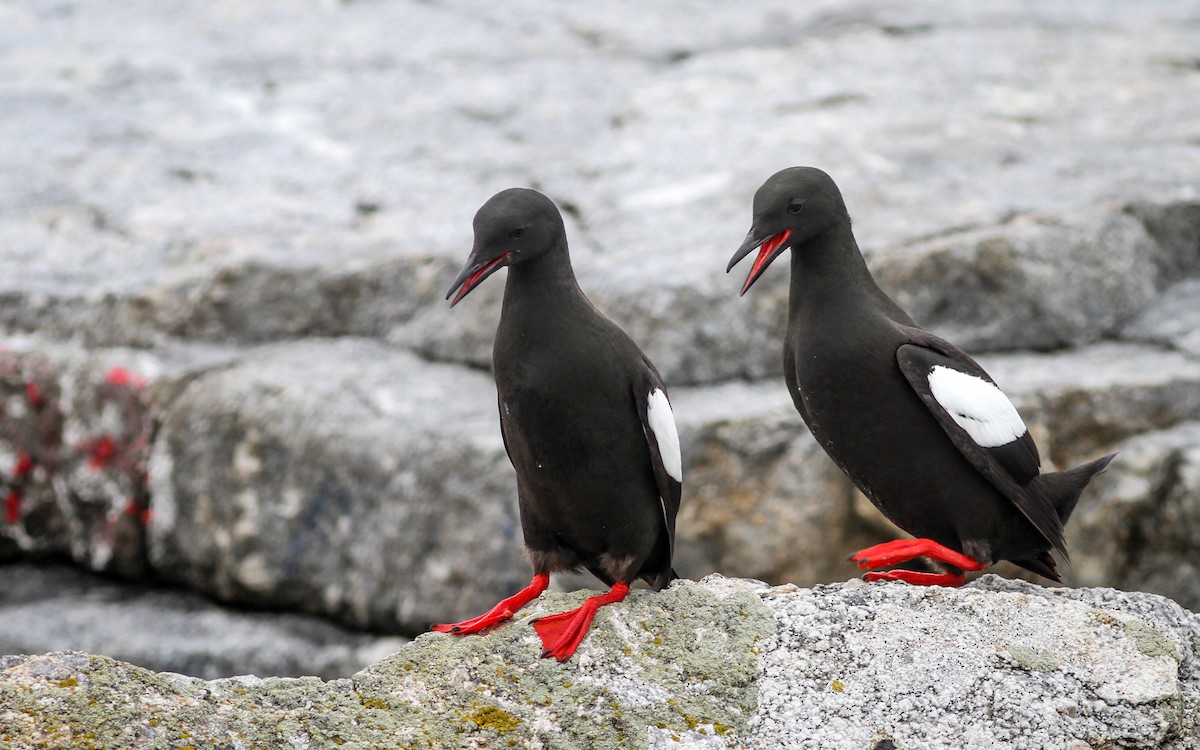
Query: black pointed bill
x=769, y=248
x=473, y=274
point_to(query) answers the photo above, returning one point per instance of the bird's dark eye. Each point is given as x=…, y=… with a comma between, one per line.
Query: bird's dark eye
x=795, y=206
x=516, y=233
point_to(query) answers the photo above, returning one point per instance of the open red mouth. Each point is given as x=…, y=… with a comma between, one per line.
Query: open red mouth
x=766, y=253
x=484, y=271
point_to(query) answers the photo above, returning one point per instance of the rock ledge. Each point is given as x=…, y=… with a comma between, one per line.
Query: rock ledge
x=720, y=663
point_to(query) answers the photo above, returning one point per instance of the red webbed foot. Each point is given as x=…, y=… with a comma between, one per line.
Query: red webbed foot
x=501, y=612
x=562, y=633
x=901, y=550
x=917, y=578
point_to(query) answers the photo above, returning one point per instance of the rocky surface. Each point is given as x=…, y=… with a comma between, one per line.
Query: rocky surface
x=52, y=607
x=339, y=477
x=349, y=479
x=228, y=228
x=1143, y=525
x=1025, y=175
x=75, y=432
x=718, y=664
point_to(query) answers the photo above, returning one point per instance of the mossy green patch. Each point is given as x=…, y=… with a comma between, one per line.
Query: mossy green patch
x=1033, y=659
x=1149, y=640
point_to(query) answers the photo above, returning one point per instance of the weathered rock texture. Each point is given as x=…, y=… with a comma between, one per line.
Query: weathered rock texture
x=74, y=437
x=718, y=664
x=1023, y=175
x=339, y=477
x=227, y=230
x=53, y=607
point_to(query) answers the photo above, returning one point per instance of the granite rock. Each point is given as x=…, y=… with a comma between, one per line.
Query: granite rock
x=52, y=607
x=75, y=433
x=194, y=180
x=1141, y=529
x=1173, y=320
x=338, y=477
x=248, y=175
x=347, y=478
x=722, y=663
x=75, y=436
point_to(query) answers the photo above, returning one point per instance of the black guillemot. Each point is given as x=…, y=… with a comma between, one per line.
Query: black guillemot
x=914, y=422
x=585, y=420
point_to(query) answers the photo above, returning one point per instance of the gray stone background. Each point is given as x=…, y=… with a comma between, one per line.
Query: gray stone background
x=231, y=385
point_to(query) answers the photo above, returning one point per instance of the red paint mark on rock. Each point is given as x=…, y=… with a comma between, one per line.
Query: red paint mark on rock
x=33, y=394
x=101, y=451
x=143, y=515
x=23, y=466
x=122, y=377
x=12, y=507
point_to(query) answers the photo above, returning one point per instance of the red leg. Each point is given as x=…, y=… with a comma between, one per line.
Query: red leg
x=502, y=611
x=562, y=633
x=917, y=578
x=890, y=553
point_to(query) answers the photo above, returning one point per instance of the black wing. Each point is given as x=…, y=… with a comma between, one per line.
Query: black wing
x=663, y=440
x=984, y=425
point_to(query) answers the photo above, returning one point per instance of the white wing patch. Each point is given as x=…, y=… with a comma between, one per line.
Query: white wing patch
x=977, y=406
x=662, y=424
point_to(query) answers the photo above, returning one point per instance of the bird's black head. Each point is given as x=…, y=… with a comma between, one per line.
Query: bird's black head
x=515, y=226
x=792, y=207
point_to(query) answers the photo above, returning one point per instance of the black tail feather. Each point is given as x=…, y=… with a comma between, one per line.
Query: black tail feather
x=1043, y=565
x=1064, y=487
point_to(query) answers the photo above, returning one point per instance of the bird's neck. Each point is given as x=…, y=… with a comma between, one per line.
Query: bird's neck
x=547, y=279
x=829, y=270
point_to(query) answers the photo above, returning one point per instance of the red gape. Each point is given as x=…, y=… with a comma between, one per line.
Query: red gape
x=900, y=550
x=501, y=612
x=562, y=633
x=764, y=255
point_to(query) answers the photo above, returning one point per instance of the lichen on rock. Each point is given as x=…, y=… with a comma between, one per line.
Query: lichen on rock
x=715, y=664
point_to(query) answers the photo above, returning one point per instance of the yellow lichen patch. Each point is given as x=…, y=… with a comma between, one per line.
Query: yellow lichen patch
x=372, y=701
x=69, y=682
x=837, y=686
x=494, y=717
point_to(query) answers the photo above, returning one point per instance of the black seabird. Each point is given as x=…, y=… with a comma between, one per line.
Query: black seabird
x=917, y=424
x=585, y=420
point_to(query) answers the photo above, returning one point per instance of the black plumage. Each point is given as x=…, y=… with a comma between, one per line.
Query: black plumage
x=916, y=423
x=585, y=420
